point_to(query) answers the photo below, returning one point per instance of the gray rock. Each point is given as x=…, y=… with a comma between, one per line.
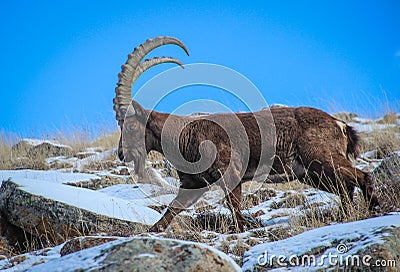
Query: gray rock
x=150, y=254
x=389, y=169
x=143, y=254
x=53, y=222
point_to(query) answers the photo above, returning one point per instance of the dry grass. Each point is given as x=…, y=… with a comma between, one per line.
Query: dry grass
x=78, y=139
x=6, y=142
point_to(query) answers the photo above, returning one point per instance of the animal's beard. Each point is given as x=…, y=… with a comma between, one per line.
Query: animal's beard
x=140, y=166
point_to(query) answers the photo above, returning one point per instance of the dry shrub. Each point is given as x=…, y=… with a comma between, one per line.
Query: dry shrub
x=388, y=118
x=240, y=247
x=5, y=248
x=262, y=194
x=183, y=228
x=286, y=186
x=384, y=141
x=290, y=200
x=224, y=246
x=280, y=232
x=158, y=161
x=106, y=140
x=213, y=221
x=249, y=201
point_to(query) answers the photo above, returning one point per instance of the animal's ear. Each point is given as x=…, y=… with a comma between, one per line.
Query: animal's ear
x=139, y=111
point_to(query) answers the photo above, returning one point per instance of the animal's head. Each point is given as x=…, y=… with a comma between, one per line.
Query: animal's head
x=132, y=145
x=131, y=116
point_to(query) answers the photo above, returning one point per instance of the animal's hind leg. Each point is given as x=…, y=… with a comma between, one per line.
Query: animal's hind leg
x=234, y=199
x=340, y=177
x=185, y=198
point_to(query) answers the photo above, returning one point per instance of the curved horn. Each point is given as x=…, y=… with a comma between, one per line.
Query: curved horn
x=133, y=68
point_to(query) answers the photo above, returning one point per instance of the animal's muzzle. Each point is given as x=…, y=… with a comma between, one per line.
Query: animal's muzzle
x=121, y=155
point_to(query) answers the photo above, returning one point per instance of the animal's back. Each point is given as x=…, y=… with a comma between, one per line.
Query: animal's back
x=309, y=134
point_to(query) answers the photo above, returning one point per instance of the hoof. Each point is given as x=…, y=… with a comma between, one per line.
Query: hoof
x=156, y=228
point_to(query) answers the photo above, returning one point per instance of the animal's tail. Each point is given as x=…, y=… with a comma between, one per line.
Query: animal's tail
x=353, y=141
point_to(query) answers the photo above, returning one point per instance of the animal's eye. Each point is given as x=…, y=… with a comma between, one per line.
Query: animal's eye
x=132, y=127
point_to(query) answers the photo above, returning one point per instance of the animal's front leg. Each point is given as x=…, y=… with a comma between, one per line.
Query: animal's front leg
x=185, y=198
x=233, y=189
x=234, y=199
x=165, y=219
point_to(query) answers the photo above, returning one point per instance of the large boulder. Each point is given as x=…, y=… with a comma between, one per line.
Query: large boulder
x=32, y=153
x=55, y=212
x=389, y=169
x=43, y=148
x=143, y=254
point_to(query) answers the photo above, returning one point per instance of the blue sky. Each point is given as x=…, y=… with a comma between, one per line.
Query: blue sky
x=60, y=59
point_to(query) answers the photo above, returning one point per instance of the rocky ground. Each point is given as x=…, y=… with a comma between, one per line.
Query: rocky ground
x=66, y=209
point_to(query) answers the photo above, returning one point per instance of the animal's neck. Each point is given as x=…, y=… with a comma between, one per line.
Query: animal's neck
x=155, y=126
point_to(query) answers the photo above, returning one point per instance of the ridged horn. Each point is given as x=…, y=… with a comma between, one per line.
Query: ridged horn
x=133, y=68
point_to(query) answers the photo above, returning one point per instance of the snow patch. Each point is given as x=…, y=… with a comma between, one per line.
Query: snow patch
x=370, y=127
x=355, y=235
x=49, y=176
x=139, y=193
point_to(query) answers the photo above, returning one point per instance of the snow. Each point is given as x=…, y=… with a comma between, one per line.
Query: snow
x=36, y=142
x=80, y=164
x=83, y=260
x=355, y=236
x=49, y=176
x=272, y=216
x=362, y=120
x=370, y=127
x=129, y=191
x=139, y=193
x=32, y=258
x=86, y=153
x=277, y=105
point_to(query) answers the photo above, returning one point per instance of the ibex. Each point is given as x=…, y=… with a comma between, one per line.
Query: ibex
x=311, y=145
